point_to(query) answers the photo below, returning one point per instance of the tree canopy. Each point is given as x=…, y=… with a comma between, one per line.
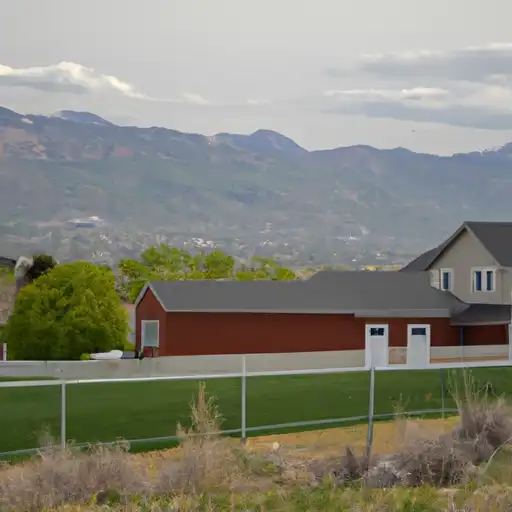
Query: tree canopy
x=164, y=263
x=71, y=310
x=43, y=263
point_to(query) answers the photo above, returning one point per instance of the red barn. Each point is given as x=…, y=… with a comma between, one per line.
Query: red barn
x=377, y=317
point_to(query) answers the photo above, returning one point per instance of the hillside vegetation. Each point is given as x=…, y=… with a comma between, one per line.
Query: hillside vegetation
x=249, y=189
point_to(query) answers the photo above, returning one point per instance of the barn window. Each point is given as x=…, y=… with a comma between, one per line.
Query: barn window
x=377, y=331
x=418, y=331
x=150, y=333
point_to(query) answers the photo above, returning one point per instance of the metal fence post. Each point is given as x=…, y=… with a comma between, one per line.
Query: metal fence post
x=371, y=412
x=244, y=400
x=443, y=392
x=63, y=416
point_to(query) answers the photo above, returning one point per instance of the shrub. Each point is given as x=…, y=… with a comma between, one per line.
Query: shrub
x=72, y=310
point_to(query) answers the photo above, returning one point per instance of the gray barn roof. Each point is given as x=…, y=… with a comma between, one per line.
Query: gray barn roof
x=257, y=296
x=324, y=292
x=385, y=290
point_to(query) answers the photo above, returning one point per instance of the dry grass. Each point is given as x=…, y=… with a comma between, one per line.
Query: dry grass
x=112, y=475
x=210, y=472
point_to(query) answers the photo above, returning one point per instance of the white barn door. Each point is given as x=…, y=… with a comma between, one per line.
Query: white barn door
x=377, y=345
x=418, y=345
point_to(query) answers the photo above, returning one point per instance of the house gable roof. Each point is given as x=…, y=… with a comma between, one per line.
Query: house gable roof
x=326, y=292
x=422, y=261
x=496, y=237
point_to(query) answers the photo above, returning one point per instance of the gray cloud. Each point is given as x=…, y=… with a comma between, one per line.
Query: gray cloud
x=453, y=115
x=468, y=87
x=490, y=63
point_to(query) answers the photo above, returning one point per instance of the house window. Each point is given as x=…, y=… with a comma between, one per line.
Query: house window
x=489, y=280
x=150, y=333
x=477, y=281
x=484, y=280
x=446, y=279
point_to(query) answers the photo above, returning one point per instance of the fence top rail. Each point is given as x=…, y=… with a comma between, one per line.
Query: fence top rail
x=238, y=375
x=29, y=383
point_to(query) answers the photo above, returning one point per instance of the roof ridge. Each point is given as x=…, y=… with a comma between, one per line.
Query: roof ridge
x=489, y=222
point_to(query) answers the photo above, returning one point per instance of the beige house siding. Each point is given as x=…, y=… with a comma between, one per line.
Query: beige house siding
x=462, y=256
x=507, y=285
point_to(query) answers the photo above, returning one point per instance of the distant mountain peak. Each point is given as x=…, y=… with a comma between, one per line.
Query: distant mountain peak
x=269, y=133
x=5, y=113
x=276, y=138
x=261, y=141
x=82, y=117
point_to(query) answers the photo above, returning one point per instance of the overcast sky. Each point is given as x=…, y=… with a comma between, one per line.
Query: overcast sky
x=433, y=76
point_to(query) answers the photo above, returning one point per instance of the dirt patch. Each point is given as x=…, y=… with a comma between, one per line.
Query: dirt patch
x=321, y=443
x=387, y=437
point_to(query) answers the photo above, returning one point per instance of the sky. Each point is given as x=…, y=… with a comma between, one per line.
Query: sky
x=430, y=76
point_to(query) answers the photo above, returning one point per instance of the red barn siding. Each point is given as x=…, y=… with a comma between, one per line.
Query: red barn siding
x=150, y=309
x=486, y=335
x=252, y=333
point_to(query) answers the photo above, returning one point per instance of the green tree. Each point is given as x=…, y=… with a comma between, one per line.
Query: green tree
x=73, y=309
x=43, y=263
x=164, y=263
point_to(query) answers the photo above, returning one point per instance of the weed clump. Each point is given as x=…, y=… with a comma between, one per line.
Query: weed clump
x=455, y=458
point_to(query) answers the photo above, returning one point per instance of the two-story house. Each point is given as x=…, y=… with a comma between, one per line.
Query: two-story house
x=475, y=263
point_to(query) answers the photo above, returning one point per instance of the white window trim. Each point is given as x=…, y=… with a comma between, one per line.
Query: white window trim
x=484, y=270
x=435, y=278
x=445, y=271
x=142, y=330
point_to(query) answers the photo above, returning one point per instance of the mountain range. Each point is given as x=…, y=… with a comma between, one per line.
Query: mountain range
x=261, y=188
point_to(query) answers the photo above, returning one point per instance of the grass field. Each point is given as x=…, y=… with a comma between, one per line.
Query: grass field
x=110, y=411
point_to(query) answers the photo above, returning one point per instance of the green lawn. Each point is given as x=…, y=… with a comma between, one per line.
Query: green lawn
x=106, y=412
